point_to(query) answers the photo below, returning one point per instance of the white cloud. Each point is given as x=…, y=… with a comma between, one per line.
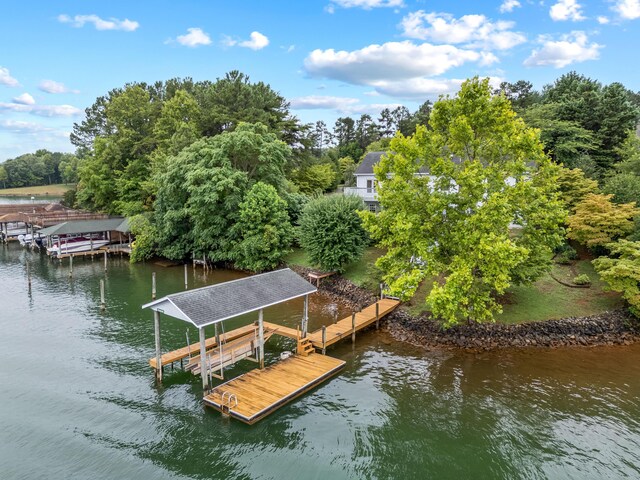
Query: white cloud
x=475, y=31
x=365, y=4
x=25, y=99
x=571, y=48
x=509, y=5
x=194, y=38
x=627, y=9
x=17, y=126
x=99, y=23
x=602, y=20
x=7, y=79
x=51, y=86
x=389, y=61
x=419, y=88
x=42, y=110
x=312, y=102
x=566, y=10
x=257, y=41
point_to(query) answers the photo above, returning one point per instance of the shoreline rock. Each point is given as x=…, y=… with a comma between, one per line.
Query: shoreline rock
x=616, y=327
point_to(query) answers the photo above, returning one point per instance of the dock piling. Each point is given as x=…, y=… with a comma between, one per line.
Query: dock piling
x=186, y=283
x=105, y=260
x=102, y=302
x=28, y=277
x=324, y=339
x=153, y=286
x=353, y=328
x=377, y=316
x=71, y=266
x=156, y=326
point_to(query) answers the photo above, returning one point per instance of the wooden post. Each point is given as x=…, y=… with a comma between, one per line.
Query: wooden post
x=381, y=292
x=102, y=302
x=203, y=360
x=186, y=284
x=377, y=315
x=71, y=265
x=305, y=317
x=105, y=260
x=29, y=277
x=353, y=328
x=261, y=338
x=153, y=286
x=156, y=326
x=324, y=340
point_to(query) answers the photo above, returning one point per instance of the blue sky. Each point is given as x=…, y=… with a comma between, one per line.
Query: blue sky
x=328, y=57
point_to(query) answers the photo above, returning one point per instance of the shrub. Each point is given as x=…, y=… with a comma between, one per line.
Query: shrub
x=621, y=271
x=331, y=231
x=144, y=246
x=563, y=259
x=565, y=253
x=582, y=279
x=263, y=228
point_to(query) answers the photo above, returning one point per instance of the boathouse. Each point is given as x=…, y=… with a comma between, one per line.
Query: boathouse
x=98, y=232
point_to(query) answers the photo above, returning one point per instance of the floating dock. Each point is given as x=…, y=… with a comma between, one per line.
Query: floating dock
x=256, y=394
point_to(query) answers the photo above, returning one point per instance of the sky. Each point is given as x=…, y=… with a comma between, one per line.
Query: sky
x=329, y=58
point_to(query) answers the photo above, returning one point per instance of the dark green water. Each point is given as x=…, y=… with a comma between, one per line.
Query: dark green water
x=78, y=400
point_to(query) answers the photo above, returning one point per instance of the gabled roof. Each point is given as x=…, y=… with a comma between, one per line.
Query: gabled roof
x=369, y=160
x=213, y=304
x=77, y=227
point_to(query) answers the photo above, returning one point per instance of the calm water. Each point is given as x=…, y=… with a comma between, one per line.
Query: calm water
x=78, y=400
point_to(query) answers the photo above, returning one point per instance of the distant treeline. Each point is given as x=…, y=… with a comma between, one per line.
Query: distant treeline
x=40, y=168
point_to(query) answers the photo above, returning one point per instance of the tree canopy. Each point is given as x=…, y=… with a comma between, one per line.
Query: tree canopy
x=489, y=173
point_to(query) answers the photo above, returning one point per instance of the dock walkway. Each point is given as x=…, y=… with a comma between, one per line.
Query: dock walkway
x=256, y=394
x=345, y=327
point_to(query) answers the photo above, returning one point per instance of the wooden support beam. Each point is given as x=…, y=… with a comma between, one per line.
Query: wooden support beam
x=305, y=317
x=377, y=315
x=105, y=260
x=324, y=340
x=156, y=327
x=153, y=286
x=261, y=338
x=353, y=328
x=203, y=360
x=186, y=283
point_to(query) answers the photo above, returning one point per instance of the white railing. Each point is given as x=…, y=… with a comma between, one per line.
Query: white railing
x=368, y=194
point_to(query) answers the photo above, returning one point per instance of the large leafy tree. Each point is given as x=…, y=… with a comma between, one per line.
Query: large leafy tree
x=201, y=189
x=263, y=230
x=488, y=171
x=574, y=186
x=331, y=231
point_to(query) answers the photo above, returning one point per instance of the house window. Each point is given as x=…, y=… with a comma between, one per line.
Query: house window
x=370, y=186
x=373, y=208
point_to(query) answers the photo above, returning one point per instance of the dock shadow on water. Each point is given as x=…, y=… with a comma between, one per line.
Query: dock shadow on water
x=80, y=401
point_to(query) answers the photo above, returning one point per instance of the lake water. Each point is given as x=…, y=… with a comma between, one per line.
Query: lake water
x=78, y=399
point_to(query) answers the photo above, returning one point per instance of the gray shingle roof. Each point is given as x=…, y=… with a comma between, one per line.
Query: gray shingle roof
x=369, y=160
x=76, y=227
x=215, y=303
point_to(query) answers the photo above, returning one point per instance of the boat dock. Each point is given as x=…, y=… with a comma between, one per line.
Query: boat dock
x=256, y=394
x=252, y=396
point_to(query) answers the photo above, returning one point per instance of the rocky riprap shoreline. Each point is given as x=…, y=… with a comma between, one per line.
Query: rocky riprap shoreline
x=616, y=327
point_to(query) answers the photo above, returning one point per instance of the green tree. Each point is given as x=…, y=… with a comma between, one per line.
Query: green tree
x=625, y=187
x=314, y=179
x=331, y=231
x=263, y=230
x=574, y=186
x=3, y=176
x=621, y=271
x=144, y=246
x=598, y=221
x=456, y=224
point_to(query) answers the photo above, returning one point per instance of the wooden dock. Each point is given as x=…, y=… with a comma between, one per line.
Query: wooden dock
x=347, y=326
x=256, y=394
x=193, y=350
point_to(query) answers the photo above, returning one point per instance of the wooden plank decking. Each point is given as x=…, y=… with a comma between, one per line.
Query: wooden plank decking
x=260, y=392
x=182, y=353
x=343, y=328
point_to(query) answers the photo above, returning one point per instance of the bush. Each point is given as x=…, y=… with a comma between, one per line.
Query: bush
x=567, y=251
x=563, y=259
x=331, y=231
x=69, y=198
x=144, y=246
x=582, y=279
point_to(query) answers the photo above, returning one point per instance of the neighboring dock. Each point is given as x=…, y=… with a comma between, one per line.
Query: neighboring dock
x=256, y=394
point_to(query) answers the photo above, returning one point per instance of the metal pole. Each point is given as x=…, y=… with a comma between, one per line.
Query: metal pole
x=153, y=286
x=324, y=340
x=203, y=360
x=156, y=326
x=305, y=317
x=105, y=260
x=353, y=328
x=102, y=302
x=186, y=284
x=261, y=337
x=377, y=316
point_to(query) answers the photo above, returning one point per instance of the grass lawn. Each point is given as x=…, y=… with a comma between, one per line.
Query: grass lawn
x=359, y=272
x=42, y=190
x=546, y=299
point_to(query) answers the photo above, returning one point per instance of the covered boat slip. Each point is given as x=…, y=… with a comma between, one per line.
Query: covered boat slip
x=85, y=237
